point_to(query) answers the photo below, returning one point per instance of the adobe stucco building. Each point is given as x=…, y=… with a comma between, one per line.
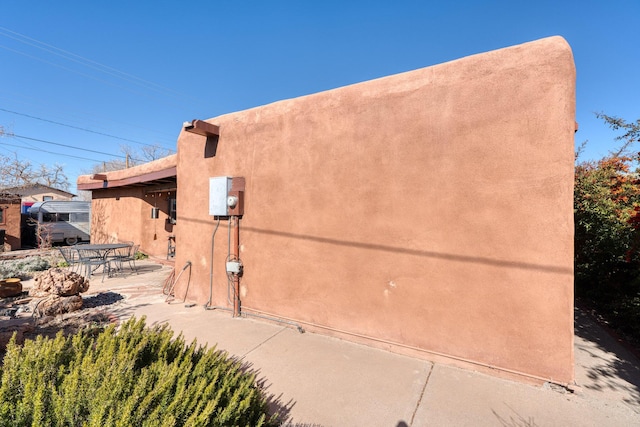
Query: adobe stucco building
x=428, y=212
x=10, y=222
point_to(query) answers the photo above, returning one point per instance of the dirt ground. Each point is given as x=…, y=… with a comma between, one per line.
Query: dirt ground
x=17, y=317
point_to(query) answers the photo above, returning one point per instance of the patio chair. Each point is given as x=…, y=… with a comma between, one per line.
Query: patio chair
x=70, y=256
x=90, y=261
x=127, y=254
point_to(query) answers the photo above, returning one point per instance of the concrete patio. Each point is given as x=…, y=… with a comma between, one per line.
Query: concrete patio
x=322, y=381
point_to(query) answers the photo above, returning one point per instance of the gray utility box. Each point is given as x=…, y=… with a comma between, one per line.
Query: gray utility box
x=219, y=188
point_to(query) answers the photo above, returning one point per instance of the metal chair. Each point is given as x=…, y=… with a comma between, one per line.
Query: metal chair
x=70, y=256
x=91, y=261
x=127, y=254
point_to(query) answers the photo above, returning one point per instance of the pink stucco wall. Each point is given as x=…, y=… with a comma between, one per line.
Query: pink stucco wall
x=122, y=201
x=10, y=223
x=125, y=215
x=428, y=212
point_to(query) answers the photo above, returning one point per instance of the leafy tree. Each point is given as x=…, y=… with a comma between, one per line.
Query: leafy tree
x=632, y=131
x=607, y=231
x=606, y=204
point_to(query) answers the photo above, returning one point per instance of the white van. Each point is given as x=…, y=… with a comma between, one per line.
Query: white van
x=63, y=221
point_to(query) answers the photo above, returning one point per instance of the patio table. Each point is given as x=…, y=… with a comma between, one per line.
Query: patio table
x=92, y=256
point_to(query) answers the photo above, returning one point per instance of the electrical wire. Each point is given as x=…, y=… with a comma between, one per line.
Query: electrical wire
x=70, y=56
x=49, y=152
x=76, y=127
x=73, y=71
x=85, y=117
x=95, y=66
x=70, y=146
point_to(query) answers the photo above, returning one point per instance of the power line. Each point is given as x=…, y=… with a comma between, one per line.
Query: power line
x=90, y=63
x=50, y=152
x=68, y=146
x=74, y=71
x=85, y=117
x=75, y=127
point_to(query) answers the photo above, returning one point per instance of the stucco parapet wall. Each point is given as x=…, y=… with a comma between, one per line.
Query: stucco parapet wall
x=157, y=169
x=555, y=49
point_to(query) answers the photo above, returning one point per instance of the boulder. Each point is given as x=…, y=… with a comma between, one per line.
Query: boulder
x=58, y=281
x=56, y=304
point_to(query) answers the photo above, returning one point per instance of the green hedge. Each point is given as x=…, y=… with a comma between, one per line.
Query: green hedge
x=131, y=376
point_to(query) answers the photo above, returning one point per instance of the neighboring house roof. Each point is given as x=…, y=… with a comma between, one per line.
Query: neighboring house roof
x=31, y=189
x=161, y=171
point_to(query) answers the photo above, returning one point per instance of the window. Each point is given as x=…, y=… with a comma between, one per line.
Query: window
x=1, y=216
x=47, y=198
x=63, y=217
x=79, y=217
x=172, y=211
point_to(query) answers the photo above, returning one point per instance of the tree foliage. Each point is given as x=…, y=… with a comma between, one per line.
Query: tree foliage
x=607, y=231
x=631, y=129
x=606, y=206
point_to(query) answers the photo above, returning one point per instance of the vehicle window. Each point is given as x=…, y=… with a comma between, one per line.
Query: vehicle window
x=48, y=217
x=80, y=217
x=63, y=217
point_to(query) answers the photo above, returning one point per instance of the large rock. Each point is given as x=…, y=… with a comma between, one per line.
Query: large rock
x=56, y=304
x=58, y=281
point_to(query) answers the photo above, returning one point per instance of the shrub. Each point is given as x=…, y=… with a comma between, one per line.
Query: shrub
x=607, y=240
x=22, y=268
x=135, y=376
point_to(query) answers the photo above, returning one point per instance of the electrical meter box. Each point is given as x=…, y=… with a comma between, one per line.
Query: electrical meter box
x=219, y=188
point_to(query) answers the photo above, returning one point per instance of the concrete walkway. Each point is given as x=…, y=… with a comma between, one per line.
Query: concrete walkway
x=322, y=381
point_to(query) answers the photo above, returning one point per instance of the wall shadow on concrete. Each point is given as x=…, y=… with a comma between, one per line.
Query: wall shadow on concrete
x=514, y=419
x=416, y=252
x=276, y=404
x=611, y=367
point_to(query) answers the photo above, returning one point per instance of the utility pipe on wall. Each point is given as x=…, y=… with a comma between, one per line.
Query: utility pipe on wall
x=236, y=277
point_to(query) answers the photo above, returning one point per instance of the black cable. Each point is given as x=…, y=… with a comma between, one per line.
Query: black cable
x=75, y=127
x=211, y=264
x=49, y=152
x=71, y=146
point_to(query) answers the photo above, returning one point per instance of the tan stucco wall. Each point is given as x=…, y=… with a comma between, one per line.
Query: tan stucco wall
x=124, y=214
x=429, y=211
x=39, y=197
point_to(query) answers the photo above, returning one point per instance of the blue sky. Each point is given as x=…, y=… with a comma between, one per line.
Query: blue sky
x=97, y=75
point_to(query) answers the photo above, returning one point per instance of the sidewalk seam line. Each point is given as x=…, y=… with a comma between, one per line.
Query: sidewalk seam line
x=424, y=388
x=263, y=342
